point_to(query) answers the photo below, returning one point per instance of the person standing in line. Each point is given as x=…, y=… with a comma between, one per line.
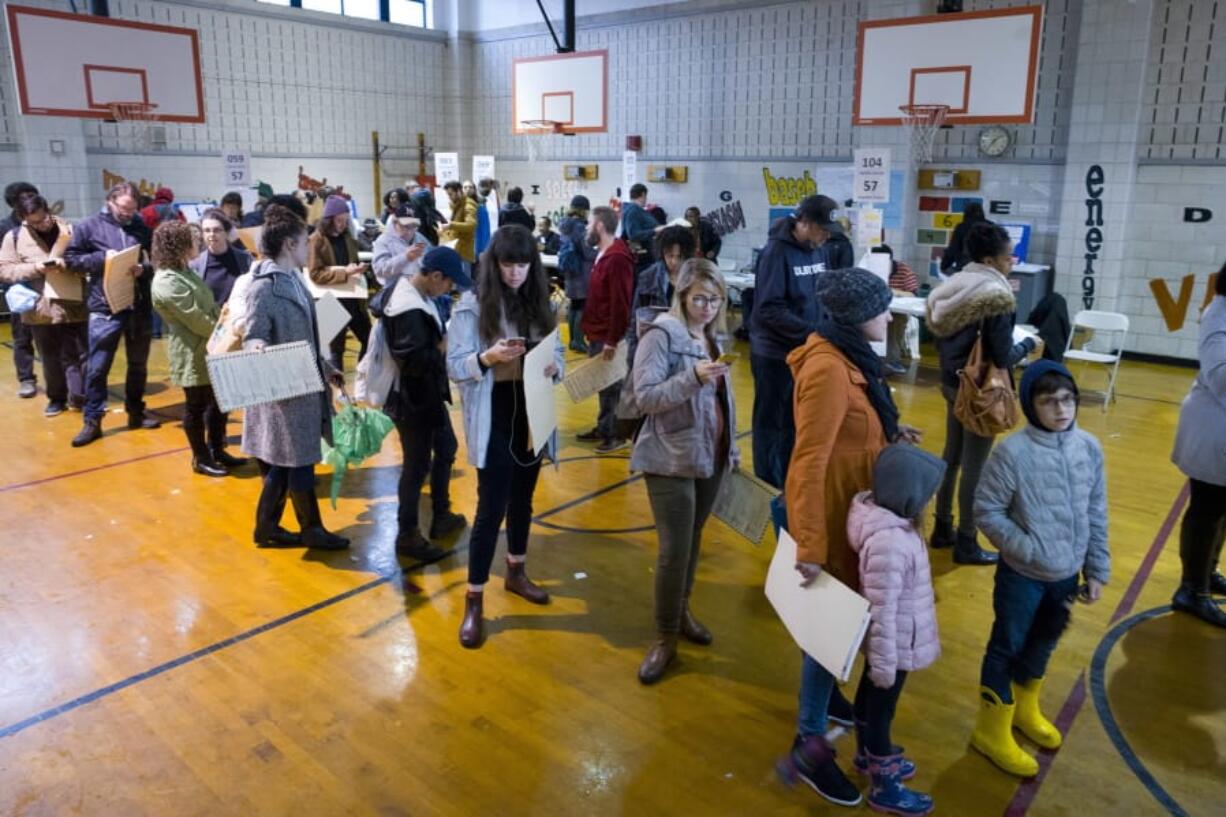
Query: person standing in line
x=657, y=284
x=785, y=313
x=284, y=435
x=232, y=205
x=978, y=301
x=492, y=329
x=686, y=446
x=513, y=211
x=186, y=304
x=117, y=227
x=431, y=219
x=392, y=201
x=161, y=209
x=1199, y=443
x=399, y=250
x=638, y=226
x=707, y=242
x=417, y=340
x=333, y=259
x=885, y=529
x=575, y=259
x=606, y=316
x=220, y=266
x=487, y=219
x=1042, y=501
x=845, y=417
x=59, y=327
x=462, y=228
x=23, y=338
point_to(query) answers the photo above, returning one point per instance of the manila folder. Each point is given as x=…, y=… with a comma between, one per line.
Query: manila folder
x=827, y=619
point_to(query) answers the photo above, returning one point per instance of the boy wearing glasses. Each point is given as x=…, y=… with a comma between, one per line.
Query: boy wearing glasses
x=1042, y=501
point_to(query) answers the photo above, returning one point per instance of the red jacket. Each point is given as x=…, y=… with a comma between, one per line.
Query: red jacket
x=606, y=314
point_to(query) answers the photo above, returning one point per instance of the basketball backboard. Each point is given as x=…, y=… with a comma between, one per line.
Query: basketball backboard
x=982, y=64
x=566, y=88
x=80, y=65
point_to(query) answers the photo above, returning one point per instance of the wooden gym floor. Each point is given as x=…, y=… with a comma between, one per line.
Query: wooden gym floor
x=154, y=662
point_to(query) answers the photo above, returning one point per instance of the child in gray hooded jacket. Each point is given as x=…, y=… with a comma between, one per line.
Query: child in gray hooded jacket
x=1042, y=501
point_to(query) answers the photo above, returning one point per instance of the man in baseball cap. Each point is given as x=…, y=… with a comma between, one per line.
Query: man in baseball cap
x=416, y=335
x=399, y=248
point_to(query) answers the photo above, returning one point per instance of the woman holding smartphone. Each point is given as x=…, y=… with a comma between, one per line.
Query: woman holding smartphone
x=685, y=447
x=333, y=259
x=492, y=329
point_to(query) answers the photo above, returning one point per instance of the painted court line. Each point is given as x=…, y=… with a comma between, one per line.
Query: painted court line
x=116, y=464
x=1025, y=795
x=174, y=663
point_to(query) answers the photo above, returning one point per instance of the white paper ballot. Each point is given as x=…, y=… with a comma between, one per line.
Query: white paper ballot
x=827, y=619
x=1022, y=331
x=252, y=378
x=331, y=318
x=538, y=392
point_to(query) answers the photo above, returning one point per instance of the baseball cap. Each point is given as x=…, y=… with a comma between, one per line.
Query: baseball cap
x=407, y=215
x=819, y=210
x=448, y=262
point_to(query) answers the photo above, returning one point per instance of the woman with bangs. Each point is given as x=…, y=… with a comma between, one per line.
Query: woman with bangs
x=686, y=446
x=492, y=328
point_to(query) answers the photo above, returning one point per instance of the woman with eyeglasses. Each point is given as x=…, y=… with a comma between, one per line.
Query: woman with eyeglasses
x=491, y=330
x=686, y=446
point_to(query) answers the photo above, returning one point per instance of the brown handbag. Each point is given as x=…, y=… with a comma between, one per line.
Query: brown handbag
x=985, y=404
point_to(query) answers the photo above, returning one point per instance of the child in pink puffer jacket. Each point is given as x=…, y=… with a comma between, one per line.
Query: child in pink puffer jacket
x=896, y=580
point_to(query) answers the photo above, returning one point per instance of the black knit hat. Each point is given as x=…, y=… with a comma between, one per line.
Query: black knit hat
x=580, y=203
x=853, y=296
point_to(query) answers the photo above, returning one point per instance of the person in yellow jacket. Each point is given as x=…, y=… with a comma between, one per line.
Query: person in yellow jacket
x=463, y=226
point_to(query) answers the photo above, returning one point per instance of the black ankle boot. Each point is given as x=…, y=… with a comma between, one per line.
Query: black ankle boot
x=1199, y=604
x=268, y=513
x=314, y=535
x=943, y=534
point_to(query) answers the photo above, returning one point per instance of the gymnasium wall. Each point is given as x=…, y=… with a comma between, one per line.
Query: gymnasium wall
x=293, y=87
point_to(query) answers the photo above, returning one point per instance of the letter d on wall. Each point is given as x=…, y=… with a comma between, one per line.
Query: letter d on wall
x=1197, y=215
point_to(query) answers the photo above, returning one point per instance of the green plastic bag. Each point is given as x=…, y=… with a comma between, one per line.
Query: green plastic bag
x=357, y=433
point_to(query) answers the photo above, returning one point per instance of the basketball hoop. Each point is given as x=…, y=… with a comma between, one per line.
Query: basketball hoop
x=923, y=122
x=137, y=119
x=540, y=127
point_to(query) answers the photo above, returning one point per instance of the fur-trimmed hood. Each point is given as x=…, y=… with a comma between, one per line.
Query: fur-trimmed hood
x=969, y=296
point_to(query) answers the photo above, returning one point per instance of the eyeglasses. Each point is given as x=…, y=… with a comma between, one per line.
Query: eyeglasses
x=1052, y=400
x=705, y=301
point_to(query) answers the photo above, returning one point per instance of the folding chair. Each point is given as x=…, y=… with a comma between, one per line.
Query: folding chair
x=1109, y=323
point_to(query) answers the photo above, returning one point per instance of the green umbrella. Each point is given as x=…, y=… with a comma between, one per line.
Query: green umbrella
x=357, y=433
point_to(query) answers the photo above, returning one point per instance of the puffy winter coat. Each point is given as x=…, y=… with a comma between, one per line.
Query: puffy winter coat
x=186, y=304
x=1200, y=442
x=1042, y=501
x=978, y=295
x=897, y=581
x=679, y=435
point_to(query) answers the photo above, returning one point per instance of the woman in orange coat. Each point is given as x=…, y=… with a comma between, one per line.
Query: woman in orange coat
x=845, y=416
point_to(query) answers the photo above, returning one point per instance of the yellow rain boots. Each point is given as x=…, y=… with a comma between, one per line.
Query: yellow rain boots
x=993, y=736
x=1029, y=719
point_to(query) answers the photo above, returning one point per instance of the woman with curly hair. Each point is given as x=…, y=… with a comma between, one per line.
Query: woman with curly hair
x=186, y=305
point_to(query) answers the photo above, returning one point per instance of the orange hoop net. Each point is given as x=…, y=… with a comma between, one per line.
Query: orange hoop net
x=135, y=123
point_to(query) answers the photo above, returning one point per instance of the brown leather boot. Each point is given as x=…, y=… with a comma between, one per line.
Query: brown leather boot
x=693, y=630
x=519, y=584
x=658, y=658
x=472, y=630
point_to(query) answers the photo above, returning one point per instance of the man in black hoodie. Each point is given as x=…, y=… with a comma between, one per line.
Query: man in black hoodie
x=513, y=211
x=785, y=313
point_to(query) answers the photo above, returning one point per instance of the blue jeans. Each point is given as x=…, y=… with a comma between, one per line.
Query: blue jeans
x=136, y=329
x=774, y=430
x=1030, y=616
x=816, y=685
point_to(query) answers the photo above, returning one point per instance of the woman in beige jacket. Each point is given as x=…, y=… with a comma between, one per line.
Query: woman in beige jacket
x=59, y=322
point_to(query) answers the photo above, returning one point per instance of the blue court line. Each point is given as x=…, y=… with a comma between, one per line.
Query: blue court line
x=1098, y=689
x=152, y=672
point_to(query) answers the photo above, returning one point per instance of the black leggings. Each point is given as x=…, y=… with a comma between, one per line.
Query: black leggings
x=1200, y=536
x=505, y=485
x=875, y=712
